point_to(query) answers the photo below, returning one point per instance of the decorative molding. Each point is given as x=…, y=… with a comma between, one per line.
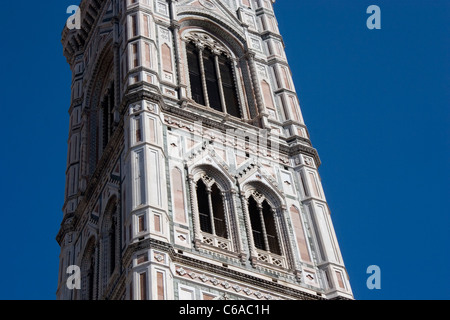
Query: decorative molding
x=228, y=285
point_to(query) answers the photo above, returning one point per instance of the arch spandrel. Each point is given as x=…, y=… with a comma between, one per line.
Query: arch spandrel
x=211, y=10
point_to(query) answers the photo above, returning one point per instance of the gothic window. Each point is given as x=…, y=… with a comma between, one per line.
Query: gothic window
x=212, y=83
x=194, y=74
x=211, y=75
x=211, y=210
x=229, y=88
x=264, y=230
x=214, y=217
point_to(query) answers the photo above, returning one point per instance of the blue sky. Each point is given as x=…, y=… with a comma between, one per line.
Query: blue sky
x=376, y=103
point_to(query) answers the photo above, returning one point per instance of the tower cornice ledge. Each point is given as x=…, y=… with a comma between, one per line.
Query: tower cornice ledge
x=225, y=272
x=73, y=41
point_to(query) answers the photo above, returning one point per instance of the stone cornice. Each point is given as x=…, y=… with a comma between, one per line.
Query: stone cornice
x=302, y=145
x=74, y=40
x=213, y=268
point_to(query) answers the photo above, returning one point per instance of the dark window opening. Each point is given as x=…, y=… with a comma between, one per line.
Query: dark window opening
x=229, y=88
x=195, y=76
x=219, y=212
x=271, y=229
x=255, y=221
x=220, y=88
x=211, y=210
x=264, y=228
x=203, y=208
x=212, y=83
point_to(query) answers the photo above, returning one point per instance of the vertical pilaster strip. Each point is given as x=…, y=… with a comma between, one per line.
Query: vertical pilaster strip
x=248, y=227
x=203, y=76
x=234, y=222
x=281, y=224
x=257, y=90
x=240, y=89
x=211, y=211
x=219, y=80
x=226, y=215
x=195, y=217
x=263, y=226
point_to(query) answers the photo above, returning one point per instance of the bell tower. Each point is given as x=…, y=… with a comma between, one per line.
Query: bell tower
x=190, y=171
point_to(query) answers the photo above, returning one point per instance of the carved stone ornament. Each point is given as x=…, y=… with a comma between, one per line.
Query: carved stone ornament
x=258, y=196
x=203, y=278
x=159, y=257
x=207, y=4
x=226, y=285
x=203, y=40
x=181, y=271
x=309, y=161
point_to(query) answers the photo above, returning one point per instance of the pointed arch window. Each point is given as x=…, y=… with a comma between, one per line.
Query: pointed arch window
x=211, y=75
x=215, y=222
x=262, y=218
x=211, y=210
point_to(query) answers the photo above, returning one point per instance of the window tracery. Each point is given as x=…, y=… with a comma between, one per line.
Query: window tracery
x=212, y=74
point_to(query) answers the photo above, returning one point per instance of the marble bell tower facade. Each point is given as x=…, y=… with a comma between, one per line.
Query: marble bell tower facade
x=190, y=171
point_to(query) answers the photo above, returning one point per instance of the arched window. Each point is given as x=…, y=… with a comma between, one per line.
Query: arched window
x=268, y=242
x=211, y=210
x=262, y=218
x=214, y=217
x=211, y=75
x=195, y=74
